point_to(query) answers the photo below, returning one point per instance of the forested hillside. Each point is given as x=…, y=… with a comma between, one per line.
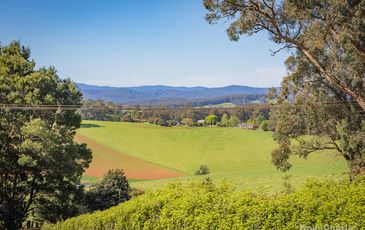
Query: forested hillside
x=173, y=96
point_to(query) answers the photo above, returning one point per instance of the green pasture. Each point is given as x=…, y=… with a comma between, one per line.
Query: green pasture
x=242, y=156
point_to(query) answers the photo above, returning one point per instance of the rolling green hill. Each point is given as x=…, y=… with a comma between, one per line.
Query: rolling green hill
x=242, y=156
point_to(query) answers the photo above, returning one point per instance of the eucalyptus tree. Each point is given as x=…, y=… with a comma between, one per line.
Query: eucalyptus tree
x=322, y=101
x=311, y=115
x=329, y=34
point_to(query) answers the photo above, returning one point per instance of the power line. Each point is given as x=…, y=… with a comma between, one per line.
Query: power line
x=332, y=104
x=38, y=107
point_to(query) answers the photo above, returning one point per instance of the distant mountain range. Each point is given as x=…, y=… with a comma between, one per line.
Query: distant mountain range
x=173, y=96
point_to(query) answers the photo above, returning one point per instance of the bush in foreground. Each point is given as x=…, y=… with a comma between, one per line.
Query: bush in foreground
x=110, y=191
x=209, y=206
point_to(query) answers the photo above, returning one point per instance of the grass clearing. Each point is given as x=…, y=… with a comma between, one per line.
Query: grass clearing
x=242, y=156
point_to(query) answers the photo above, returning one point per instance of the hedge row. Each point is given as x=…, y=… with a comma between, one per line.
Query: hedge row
x=209, y=206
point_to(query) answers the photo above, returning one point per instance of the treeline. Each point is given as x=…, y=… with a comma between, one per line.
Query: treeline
x=253, y=114
x=101, y=110
x=238, y=99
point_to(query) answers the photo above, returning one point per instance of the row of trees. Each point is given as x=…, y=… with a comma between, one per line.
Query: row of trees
x=225, y=117
x=256, y=121
x=176, y=103
x=100, y=110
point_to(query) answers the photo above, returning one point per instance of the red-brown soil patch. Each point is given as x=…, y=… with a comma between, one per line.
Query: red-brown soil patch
x=105, y=158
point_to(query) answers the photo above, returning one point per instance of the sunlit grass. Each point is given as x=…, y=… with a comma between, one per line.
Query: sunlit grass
x=242, y=156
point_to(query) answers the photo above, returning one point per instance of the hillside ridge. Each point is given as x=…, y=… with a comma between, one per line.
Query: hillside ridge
x=173, y=95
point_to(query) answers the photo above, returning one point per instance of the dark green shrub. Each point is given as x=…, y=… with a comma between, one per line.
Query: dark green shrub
x=233, y=121
x=110, y=191
x=162, y=122
x=203, y=170
x=264, y=125
x=127, y=118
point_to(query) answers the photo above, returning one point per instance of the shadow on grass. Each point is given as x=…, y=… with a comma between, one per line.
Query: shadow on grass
x=90, y=126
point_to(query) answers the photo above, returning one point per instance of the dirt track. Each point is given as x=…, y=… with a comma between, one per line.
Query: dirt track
x=105, y=158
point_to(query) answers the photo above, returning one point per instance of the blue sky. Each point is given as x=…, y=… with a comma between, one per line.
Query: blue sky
x=132, y=43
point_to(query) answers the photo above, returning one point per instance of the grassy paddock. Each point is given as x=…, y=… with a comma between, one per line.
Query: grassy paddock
x=241, y=156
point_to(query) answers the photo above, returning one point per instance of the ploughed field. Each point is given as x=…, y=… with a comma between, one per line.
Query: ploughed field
x=152, y=156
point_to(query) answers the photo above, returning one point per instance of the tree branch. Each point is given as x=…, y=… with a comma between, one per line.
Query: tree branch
x=274, y=52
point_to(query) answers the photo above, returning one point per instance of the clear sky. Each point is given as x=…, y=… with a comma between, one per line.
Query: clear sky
x=132, y=43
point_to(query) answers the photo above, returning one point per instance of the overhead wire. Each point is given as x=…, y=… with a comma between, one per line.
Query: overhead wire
x=52, y=107
x=38, y=107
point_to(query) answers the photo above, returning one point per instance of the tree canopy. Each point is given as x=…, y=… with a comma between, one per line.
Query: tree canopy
x=322, y=100
x=224, y=120
x=330, y=34
x=39, y=160
x=211, y=119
